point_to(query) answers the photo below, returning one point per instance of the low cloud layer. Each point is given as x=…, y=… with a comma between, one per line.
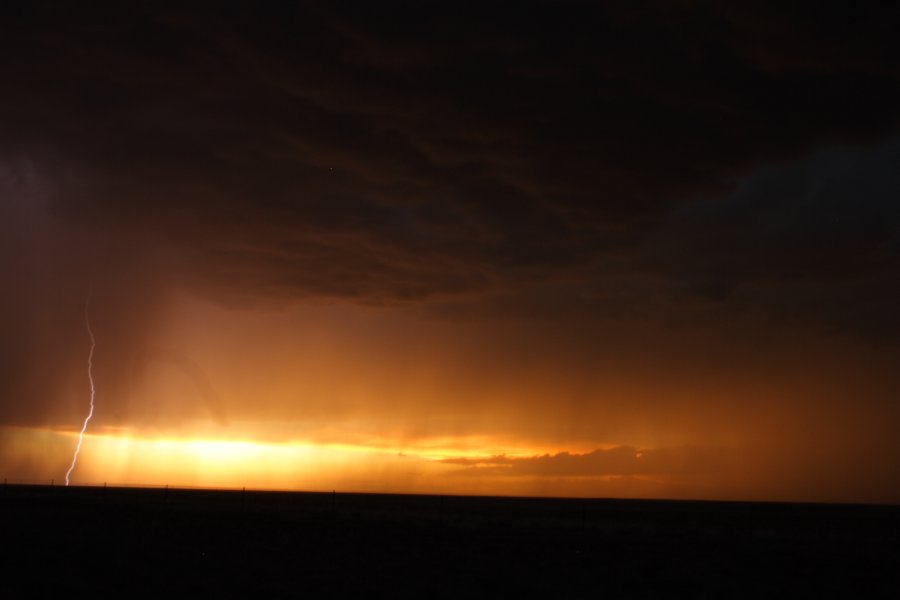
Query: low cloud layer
x=620, y=461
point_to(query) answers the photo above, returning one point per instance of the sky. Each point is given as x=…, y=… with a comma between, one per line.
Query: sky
x=620, y=249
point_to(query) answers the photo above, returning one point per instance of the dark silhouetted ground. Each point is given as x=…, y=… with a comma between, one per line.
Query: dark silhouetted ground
x=120, y=542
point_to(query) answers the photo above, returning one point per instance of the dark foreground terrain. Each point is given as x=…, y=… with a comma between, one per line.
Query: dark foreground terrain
x=125, y=542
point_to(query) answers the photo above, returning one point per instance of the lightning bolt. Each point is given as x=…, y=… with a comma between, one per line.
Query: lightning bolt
x=90, y=370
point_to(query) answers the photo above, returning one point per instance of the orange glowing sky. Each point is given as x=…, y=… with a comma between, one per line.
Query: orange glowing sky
x=328, y=396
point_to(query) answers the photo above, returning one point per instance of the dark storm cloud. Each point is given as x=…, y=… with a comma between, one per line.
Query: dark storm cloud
x=385, y=155
x=543, y=160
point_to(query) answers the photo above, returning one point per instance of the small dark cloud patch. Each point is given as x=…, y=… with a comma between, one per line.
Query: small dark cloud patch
x=620, y=461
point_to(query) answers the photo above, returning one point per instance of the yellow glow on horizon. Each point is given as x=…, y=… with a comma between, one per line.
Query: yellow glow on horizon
x=230, y=463
x=120, y=456
x=205, y=441
x=196, y=458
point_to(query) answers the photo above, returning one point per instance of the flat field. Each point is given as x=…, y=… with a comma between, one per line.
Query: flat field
x=142, y=541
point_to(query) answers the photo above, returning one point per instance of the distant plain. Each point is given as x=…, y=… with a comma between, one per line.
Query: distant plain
x=139, y=541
